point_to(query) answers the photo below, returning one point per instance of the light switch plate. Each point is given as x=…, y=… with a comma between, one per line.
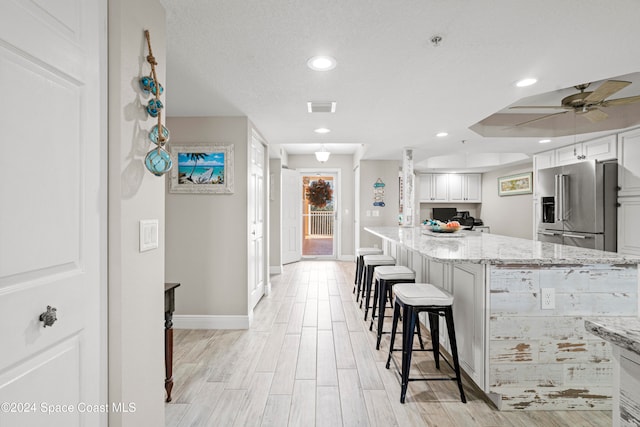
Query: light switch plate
x=148, y=234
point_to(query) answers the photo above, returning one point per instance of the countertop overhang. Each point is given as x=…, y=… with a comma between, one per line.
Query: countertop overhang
x=484, y=248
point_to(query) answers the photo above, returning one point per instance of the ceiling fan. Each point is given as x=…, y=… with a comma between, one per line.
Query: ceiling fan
x=587, y=104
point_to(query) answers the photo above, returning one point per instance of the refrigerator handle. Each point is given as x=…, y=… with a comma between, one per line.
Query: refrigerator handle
x=563, y=195
x=556, y=197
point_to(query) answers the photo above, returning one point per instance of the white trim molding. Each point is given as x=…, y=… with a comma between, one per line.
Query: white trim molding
x=275, y=269
x=189, y=321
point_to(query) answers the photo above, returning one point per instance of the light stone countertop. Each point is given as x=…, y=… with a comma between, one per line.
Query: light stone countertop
x=621, y=331
x=485, y=248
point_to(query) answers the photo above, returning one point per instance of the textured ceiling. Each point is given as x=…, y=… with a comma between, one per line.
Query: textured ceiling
x=393, y=88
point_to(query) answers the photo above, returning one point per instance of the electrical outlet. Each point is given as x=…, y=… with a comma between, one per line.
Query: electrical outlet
x=548, y=296
x=376, y=213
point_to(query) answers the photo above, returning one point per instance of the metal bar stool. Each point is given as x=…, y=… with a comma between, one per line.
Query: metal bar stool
x=370, y=262
x=384, y=277
x=360, y=253
x=413, y=299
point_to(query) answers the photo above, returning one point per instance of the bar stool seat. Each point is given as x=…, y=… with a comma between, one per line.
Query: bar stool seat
x=369, y=263
x=413, y=299
x=384, y=277
x=360, y=253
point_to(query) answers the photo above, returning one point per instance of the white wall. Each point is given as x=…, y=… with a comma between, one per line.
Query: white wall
x=207, y=233
x=346, y=197
x=507, y=215
x=136, y=280
x=275, y=222
x=370, y=171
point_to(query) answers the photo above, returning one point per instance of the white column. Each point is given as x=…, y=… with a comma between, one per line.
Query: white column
x=408, y=199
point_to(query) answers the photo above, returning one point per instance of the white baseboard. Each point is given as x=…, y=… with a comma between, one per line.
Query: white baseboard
x=347, y=257
x=188, y=321
x=275, y=269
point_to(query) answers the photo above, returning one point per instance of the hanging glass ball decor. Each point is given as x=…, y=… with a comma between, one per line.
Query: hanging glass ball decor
x=157, y=161
x=154, y=107
x=154, y=137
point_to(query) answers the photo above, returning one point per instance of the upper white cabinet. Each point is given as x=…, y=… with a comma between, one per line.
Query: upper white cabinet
x=442, y=187
x=600, y=149
x=629, y=163
x=434, y=187
x=465, y=188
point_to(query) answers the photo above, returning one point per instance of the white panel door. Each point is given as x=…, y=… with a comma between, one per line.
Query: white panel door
x=291, y=216
x=256, y=221
x=628, y=164
x=456, y=187
x=473, y=188
x=440, y=187
x=53, y=195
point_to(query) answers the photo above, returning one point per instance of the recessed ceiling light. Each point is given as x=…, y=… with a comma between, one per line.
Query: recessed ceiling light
x=322, y=130
x=321, y=63
x=544, y=141
x=441, y=134
x=526, y=82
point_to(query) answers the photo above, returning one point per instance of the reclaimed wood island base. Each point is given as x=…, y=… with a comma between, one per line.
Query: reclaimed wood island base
x=521, y=355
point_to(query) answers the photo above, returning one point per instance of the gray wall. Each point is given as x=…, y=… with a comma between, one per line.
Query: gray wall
x=370, y=171
x=136, y=280
x=346, y=197
x=207, y=234
x=275, y=221
x=507, y=215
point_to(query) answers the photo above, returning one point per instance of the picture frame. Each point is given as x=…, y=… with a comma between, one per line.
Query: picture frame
x=513, y=185
x=201, y=169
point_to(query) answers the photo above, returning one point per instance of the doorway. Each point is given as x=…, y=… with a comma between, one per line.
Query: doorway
x=320, y=229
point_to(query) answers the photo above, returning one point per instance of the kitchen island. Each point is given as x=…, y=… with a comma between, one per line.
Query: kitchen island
x=524, y=356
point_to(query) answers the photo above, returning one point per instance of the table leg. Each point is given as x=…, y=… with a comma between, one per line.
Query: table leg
x=168, y=354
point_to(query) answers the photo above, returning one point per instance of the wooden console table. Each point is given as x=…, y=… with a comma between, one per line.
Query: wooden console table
x=169, y=307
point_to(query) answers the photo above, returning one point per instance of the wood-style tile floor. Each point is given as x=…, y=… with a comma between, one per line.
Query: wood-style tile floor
x=310, y=359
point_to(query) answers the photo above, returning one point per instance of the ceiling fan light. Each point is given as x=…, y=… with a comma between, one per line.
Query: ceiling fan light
x=322, y=155
x=526, y=82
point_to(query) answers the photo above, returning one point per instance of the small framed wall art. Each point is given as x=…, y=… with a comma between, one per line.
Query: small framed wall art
x=515, y=184
x=202, y=168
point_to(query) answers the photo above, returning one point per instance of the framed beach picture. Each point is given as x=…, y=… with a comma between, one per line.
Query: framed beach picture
x=201, y=169
x=515, y=184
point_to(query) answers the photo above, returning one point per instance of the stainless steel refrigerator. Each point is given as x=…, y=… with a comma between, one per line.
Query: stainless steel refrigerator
x=579, y=205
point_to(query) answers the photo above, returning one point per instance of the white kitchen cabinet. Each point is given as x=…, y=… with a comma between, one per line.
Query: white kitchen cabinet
x=628, y=233
x=600, y=149
x=465, y=188
x=629, y=163
x=442, y=187
x=434, y=187
x=544, y=160
x=468, y=313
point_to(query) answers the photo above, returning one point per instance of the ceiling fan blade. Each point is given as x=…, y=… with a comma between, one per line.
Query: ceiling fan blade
x=555, y=107
x=538, y=119
x=594, y=115
x=621, y=101
x=605, y=90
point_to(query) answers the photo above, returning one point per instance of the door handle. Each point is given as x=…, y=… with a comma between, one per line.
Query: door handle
x=547, y=233
x=578, y=236
x=49, y=317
